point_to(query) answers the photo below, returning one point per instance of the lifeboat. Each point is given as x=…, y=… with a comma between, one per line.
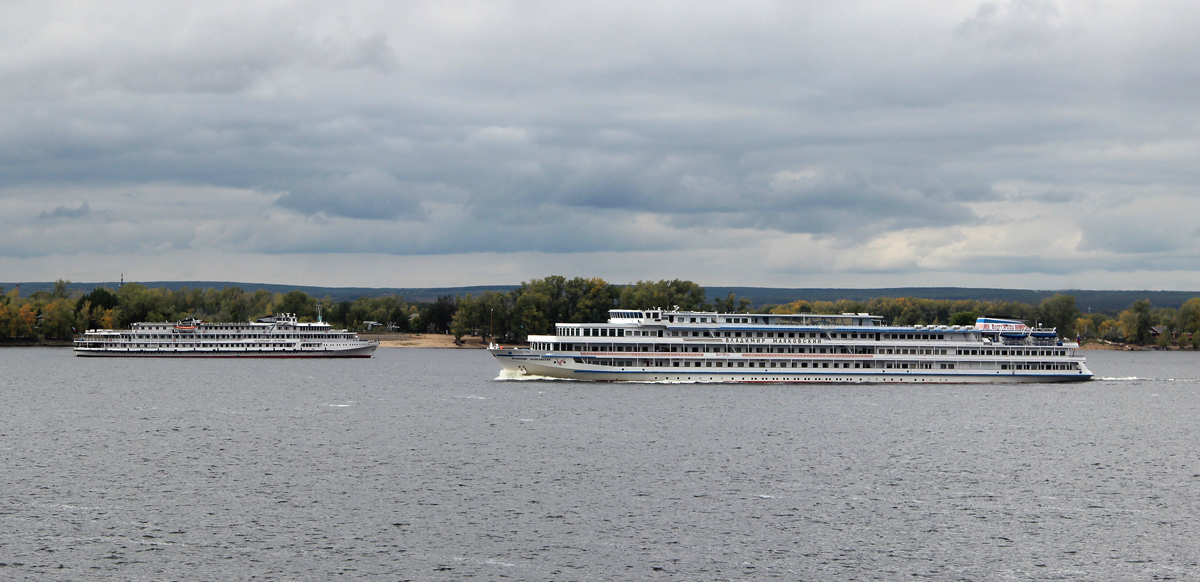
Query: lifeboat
x=187, y=326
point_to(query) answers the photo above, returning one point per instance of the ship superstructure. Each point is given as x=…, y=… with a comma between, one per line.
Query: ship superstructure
x=660, y=345
x=269, y=337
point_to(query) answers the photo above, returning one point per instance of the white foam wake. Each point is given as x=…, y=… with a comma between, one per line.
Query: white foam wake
x=511, y=376
x=1138, y=379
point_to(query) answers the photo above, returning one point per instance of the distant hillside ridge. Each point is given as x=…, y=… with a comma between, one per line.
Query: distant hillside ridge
x=411, y=294
x=1086, y=300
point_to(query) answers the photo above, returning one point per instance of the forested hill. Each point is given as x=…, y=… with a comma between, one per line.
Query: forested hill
x=410, y=294
x=1086, y=300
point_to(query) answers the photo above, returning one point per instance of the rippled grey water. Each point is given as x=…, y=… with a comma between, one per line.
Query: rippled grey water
x=418, y=465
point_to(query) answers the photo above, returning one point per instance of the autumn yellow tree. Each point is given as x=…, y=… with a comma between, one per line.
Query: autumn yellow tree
x=797, y=306
x=1189, y=316
x=108, y=320
x=1136, y=321
x=58, y=319
x=8, y=317
x=23, y=323
x=1083, y=327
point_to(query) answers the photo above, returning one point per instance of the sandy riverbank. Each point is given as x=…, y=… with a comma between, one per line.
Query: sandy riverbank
x=1103, y=346
x=424, y=340
x=1115, y=346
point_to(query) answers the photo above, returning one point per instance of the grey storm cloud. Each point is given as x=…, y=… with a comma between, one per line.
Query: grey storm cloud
x=858, y=136
x=369, y=194
x=66, y=212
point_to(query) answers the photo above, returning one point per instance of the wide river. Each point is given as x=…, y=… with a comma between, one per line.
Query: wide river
x=421, y=465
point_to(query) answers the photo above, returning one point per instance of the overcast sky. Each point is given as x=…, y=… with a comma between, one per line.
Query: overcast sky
x=1024, y=144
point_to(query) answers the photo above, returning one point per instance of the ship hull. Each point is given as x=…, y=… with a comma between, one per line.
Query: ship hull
x=359, y=352
x=529, y=364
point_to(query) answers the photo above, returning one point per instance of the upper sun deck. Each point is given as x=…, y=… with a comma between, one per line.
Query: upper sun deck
x=280, y=322
x=712, y=318
x=618, y=319
x=711, y=326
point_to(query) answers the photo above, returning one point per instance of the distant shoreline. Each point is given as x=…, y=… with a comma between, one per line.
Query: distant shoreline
x=446, y=341
x=24, y=343
x=1085, y=299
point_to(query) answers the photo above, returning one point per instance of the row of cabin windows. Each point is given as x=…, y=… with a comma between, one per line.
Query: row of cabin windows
x=810, y=365
x=210, y=327
x=680, y=319
x=771, y=334
x=710, y=348
x=766, y=321
x=594, y=331
x=206, y=336
x=743, y=349
x=1039, y=366
x=966, y=352
x=741, y=364
x=209, y=345
x=621, y=332
x=814, y=334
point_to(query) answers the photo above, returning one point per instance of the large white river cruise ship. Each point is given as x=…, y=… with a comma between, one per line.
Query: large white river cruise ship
x=673, y=346
x=279, y=336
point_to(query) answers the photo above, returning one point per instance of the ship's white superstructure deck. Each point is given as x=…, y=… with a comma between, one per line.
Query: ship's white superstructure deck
x=280, y=336
x=649, y=346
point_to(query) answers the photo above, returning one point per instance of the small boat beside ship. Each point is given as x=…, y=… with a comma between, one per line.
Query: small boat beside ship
x=689, y=346
x=278, y=336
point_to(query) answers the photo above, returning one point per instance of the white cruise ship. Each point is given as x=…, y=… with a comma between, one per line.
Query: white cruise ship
x=279, y=336
x=673, y=346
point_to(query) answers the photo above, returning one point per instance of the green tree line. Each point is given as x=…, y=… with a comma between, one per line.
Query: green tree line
x=538, y=304
x=1139, y=324
x=58, y=315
